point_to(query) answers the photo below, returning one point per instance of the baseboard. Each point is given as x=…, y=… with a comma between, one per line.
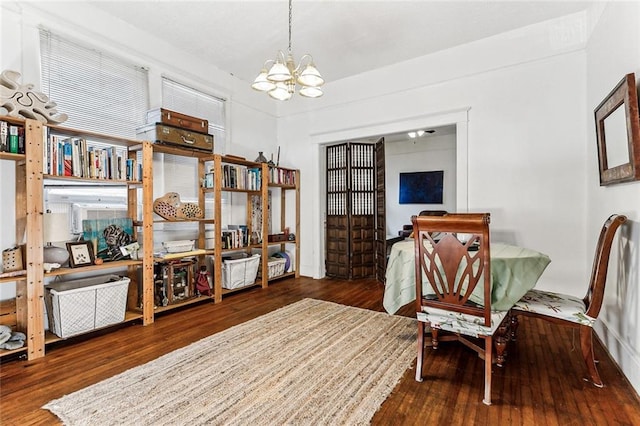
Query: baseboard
x=622, y=355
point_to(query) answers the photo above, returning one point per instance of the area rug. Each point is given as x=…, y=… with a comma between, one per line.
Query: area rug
x=308, y=363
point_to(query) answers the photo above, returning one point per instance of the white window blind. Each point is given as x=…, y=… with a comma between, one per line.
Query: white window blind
x=186, y=100
x=99, y=92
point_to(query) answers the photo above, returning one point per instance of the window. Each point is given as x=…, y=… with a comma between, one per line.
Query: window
x=178, y=173
x=185, y=100
x=99, y=92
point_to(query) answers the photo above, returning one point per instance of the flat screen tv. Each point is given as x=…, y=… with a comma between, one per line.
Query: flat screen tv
x=421, y=187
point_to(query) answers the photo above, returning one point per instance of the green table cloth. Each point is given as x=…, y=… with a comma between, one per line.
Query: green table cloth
x=514, y=271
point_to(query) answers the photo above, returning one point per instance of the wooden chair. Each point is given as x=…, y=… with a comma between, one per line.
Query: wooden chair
x=453, y=270
x=407, y=230
x=571, y=311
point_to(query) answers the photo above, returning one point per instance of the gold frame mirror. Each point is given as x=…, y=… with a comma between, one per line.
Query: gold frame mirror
x=618, y=134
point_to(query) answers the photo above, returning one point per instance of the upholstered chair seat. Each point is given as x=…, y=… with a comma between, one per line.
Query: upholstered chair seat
x=556, y=305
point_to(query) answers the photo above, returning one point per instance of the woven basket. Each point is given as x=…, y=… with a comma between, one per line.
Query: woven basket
x=12, y=259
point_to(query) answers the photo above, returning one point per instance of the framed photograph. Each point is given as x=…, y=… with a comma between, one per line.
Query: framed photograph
x=618, y=133
x=80, y=253
x=108, y=236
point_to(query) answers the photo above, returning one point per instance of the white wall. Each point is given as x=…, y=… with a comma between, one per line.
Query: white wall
x=613, y=51
x=251, y=123
x=416, y=155
x=526, y=130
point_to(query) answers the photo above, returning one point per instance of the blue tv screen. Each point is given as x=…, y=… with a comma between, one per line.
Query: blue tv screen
x=421, y=187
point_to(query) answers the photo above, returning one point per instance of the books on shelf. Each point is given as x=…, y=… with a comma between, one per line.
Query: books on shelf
x=281, y=176
x=241, y=177
x=11, y=138
x=77, y=157
x=235, y=236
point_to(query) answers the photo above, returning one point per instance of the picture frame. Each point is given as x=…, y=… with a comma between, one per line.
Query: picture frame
x=108, y=236
x=617, y=122
x=80, y=253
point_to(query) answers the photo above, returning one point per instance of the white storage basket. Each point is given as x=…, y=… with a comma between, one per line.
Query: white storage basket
x=240, y=272
x=82, y=305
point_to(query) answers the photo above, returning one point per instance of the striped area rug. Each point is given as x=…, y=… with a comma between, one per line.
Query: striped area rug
x=308, y=363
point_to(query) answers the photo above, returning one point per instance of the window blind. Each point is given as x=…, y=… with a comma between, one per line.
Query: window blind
x=186, y=100
x=99, y=92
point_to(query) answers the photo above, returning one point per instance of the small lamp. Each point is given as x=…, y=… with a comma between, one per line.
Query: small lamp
x=56, y=228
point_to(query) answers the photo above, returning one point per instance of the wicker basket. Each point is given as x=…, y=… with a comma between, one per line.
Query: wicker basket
x=276, y=266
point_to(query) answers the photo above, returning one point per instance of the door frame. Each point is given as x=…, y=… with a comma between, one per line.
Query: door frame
x=459, y=118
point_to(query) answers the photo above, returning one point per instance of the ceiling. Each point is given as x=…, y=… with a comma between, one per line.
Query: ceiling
x=345, y=37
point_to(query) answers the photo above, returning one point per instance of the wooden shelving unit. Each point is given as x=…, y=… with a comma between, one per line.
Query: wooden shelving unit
x=30, y=181
x=285, y=183
x=28, y=231
x=220, y=186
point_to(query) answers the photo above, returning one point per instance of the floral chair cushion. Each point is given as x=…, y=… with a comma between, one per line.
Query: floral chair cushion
x=555, y=305
x=456, y=322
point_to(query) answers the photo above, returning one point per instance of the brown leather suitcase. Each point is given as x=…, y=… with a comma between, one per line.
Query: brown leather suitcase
x=163, y=134
x=176, y=119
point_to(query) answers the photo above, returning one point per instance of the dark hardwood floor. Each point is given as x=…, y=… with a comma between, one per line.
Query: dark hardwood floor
x=541, y=383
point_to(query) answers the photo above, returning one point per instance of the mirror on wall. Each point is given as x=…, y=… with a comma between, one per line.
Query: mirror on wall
x=618, y=133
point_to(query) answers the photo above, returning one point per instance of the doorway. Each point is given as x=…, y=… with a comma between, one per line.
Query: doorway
x=456, y=118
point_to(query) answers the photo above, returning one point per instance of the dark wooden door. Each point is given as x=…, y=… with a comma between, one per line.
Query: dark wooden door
x=380, y=223
x=350, y=222
x=337, y=263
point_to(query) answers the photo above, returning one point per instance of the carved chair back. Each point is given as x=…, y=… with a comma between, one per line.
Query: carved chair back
x=453, y=266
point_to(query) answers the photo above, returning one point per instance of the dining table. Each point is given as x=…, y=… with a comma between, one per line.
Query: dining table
x=514, y=271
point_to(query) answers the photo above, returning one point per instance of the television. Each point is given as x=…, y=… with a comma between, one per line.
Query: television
x=421, y=187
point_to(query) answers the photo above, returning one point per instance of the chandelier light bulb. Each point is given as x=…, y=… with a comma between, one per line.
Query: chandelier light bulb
x=310, y=92
x=279, y=72
x=280, y=92
x=261, y=83
x=310, y=76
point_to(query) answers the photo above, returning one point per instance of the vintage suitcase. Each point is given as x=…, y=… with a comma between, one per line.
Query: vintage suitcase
x=161, y=133
x=176, y=119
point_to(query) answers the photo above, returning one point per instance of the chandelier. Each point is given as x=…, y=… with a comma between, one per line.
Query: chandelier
x=283, y=75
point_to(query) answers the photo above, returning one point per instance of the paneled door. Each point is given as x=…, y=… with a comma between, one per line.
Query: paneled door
x=381, y=227
x=350, y=222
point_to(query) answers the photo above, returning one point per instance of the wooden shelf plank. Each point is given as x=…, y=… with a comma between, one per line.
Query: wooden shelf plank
x=106, y=265
x=174, y=256
x=13, y=276
x=182, y=303
x=233, y=290
x=11, y=156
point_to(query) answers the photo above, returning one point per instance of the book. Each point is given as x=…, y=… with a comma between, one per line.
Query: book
x=13, y=139
x=4, y=136
x=68, y=159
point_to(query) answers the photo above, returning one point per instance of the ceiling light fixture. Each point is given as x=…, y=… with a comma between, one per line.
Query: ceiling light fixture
x=419, y=133
x=281, y=79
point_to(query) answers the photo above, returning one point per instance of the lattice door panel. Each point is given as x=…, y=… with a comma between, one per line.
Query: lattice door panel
x=350, y=229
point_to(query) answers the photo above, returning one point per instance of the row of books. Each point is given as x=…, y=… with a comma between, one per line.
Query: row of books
x=11, y=138
x=241, y=177
x=235, y=236
x=64, y=156
x=282, y=176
